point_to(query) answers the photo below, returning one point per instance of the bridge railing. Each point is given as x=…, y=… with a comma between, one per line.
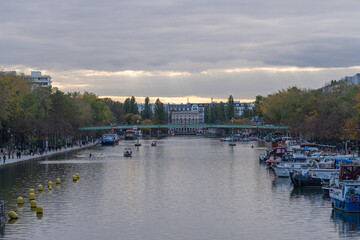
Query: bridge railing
x=171, y=126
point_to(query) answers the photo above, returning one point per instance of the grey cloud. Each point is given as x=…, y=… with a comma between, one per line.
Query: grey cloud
x=190, y=36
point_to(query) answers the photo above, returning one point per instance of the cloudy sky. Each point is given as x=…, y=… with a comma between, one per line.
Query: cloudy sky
x=185, y=48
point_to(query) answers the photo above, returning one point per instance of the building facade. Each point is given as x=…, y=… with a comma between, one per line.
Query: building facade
x=39, y=80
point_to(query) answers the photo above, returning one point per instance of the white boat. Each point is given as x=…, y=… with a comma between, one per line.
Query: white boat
x=284, y=170
x=109, y=139
x=127, y=152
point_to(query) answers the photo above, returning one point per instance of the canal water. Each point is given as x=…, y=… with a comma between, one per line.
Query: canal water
x=185, y=188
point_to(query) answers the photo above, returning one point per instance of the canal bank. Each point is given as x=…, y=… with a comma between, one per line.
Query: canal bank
x=14, y=160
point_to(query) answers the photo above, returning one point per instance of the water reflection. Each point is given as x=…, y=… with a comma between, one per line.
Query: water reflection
x=185, y=188
x=2, y=228
x=348, y=224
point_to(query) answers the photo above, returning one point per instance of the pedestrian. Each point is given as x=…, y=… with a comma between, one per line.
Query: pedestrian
x=4, y=158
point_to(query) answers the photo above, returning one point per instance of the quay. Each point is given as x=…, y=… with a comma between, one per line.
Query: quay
x=45, y=154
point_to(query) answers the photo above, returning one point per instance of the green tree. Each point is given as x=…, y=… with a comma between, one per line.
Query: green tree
x=116, y=108
x=159, y=112
x=146, y=113
x=230, y=108
x=127, y=106
x=133, y=106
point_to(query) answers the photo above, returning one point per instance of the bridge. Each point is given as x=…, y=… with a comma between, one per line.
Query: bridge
x=173, y=126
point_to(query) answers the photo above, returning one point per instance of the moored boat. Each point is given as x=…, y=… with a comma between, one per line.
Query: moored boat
x=345, y=196
x=109, y=139
x=127, y=152
x=154, y=143
x=312, y=177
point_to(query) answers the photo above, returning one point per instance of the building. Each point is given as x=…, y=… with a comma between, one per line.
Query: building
x=39, y=80
x=185, y=117
x=181, y=112
x=352, y=79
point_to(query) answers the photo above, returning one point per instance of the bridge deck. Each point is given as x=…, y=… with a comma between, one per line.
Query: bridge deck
x=170, y=126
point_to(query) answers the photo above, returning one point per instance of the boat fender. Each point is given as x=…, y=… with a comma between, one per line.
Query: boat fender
x=353, y=198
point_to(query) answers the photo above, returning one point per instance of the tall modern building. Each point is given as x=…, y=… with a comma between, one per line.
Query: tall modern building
x=39, y=80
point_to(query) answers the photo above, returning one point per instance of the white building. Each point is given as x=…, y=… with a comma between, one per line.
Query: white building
x=354, y=79
x=39, y=80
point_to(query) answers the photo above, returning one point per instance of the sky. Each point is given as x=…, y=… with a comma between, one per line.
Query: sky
x=179, y=51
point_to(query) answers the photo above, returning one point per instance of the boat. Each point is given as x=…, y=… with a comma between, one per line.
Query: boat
x=312, y=177
x=153, y=143
x=345, y=195
x=227, y=139
x=127, y=152
x=109, y=139
x=130, y=134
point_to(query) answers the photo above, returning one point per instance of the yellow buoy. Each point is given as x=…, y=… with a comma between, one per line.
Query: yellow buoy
x=39, y=215
x=33, y=204
x=77, y=176
x=50, y=188
x=58, y=181
x=31, y=190
x=12, y=221
x=20, y=200
x=13, y=215
x=50, y=183
x=32, y=196
x=39, y=209
x=40, y=188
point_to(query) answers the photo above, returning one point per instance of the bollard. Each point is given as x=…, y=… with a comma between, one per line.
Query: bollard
x=50, y=184
x=40, y=188
x=31, y=190
x=77, y=176
x=58, y=181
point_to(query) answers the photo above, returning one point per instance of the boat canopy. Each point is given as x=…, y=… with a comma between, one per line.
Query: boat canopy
x=349, y=172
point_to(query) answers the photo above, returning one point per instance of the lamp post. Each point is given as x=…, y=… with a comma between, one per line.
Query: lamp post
x=232, y=144
x=137, y=144
x=358, y=130
x=345, y=141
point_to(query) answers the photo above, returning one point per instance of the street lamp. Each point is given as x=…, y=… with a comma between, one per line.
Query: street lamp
x=358, y=130
x=137, y=144
x=345, y=140
x=232, y=144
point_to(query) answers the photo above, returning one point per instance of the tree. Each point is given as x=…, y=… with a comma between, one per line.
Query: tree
x=133, y=106
x=207, y=114
x=116, y=108
x=230, y=108
x=146, y=113
x=127, y=106
x=257, y=109
x=159, y=112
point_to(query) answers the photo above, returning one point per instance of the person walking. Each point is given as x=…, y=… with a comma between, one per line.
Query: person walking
x=4, y=158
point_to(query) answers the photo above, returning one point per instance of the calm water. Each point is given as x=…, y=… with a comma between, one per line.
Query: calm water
x=185, y=188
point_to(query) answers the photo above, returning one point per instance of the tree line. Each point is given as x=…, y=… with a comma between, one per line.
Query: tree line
x=219, y=113
x=327, y=114
x=28, y=115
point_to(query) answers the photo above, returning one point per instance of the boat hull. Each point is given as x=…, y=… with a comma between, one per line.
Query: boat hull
x=109, y=143
x=347, y=206
x=300, y=180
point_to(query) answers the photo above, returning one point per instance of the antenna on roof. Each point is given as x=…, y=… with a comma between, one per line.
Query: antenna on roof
x=188, y=100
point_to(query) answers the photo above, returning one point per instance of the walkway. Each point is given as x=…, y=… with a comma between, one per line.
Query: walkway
x=48, y=154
